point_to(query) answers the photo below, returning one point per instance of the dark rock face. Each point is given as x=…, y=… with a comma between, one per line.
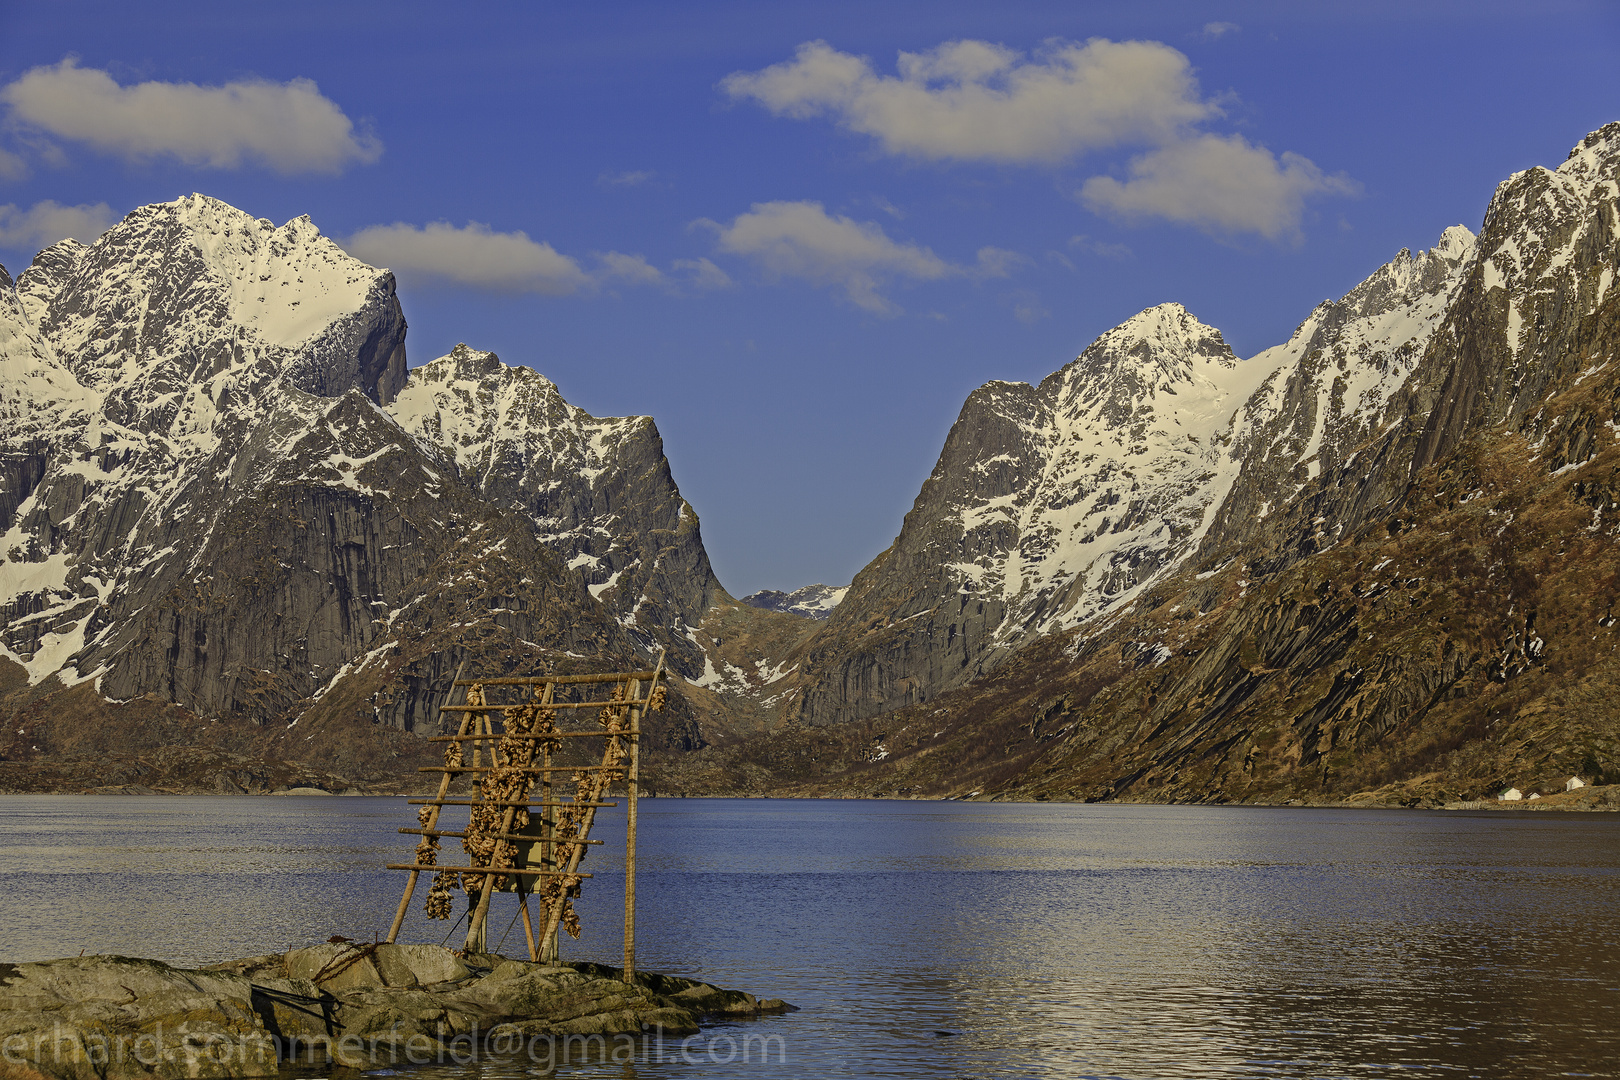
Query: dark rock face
x=220, y=487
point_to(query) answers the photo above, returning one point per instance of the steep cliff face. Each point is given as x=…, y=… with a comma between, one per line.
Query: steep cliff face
x=220, y=488
x=1337, y=380
x=598, y=491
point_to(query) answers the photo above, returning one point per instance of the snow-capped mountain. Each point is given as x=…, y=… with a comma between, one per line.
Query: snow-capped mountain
x=1051, y=506
x=811, y=602
x=1332, y=383
x=220, y=486
x=598, y=491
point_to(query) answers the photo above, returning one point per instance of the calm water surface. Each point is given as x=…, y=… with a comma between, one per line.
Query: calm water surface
x=1061, y=941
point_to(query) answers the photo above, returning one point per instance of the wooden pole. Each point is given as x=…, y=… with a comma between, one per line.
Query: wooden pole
x=433, y=818
x=548, y=856
x=481, y=942
x=528, y=927
x=475, y=932
x=632, y=782
x=630, y=841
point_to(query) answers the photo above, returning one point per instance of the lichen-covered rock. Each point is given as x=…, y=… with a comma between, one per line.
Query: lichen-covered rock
x=109, y=1016
x=360, y=1006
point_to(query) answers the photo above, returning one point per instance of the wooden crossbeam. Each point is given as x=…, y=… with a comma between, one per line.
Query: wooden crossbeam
x=498, y=802
x=526, y=738
x=485, y=871
x=520, y=768
x=524, y=704
x=526, y=837
x=560, y=680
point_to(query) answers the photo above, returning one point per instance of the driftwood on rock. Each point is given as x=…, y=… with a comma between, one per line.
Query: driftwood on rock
x=357, y=1005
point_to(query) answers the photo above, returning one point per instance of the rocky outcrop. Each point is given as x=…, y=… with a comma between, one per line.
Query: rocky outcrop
x=356, y=1006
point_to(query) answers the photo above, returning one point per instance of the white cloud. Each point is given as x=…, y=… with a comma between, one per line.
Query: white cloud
x=1027, y=308
x=471, y=255
x=476, y=256
x=980, y=101
x=626, y=179
x=634, y=269
x=974, y=100
x=1221, y=184
x=289, y=127
x=12, y=166
x=998, y=262
x=887, y=207
x=801, y=240
x=702, y=274
x=1093, y=246
x=45, y=223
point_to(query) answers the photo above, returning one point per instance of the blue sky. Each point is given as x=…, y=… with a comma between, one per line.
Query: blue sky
x=763, y=225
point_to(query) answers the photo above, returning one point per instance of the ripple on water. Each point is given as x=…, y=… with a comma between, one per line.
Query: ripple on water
x=944, y=939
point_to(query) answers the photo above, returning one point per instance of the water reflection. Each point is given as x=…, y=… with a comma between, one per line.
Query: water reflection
x=949, y=940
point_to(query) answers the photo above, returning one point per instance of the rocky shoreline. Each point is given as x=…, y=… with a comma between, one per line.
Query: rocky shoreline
x=351, y=1005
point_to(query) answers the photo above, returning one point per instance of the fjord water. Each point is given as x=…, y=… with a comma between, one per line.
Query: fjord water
x=1046, y=940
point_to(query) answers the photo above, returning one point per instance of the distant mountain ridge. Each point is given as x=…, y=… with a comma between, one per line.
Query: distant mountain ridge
x=811, y=602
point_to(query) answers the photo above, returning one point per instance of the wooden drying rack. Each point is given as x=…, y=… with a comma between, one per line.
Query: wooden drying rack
x=560, y=857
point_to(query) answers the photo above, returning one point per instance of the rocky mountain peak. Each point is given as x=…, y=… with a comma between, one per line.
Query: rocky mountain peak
x=1119, y=379
x=1596, y=157
x=44, y=276
x=1165, y=334
x=597, y=490
x=1161, y=346
x=1408, y=276
x=213, y=490
x=182, y=294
